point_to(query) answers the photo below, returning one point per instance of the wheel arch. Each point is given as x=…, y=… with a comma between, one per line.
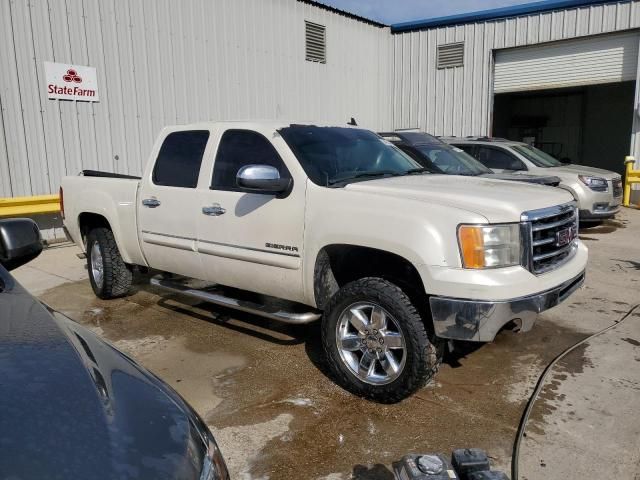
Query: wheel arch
x=338, y=264
x=89, y=220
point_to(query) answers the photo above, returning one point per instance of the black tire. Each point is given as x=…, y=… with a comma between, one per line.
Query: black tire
x=421, y=356
x=117, y=276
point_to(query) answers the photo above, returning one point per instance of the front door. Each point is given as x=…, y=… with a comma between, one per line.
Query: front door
x=169, y=205
x=250, y=240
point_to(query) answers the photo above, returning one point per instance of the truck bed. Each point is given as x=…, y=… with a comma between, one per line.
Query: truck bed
x=111, y=196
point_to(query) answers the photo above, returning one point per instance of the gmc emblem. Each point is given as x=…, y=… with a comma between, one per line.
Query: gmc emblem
x=565, y=236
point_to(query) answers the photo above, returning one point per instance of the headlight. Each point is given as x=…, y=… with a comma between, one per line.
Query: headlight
x=596, y=184
x=214, y=467
x=489, y=246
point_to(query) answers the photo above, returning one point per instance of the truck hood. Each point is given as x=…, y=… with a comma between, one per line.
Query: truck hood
x=496, y=200
x=574, y=170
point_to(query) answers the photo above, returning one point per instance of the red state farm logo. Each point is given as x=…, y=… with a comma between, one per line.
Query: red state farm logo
x=72, y=76
x=68, y=92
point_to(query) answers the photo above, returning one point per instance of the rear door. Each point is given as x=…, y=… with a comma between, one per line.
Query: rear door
x=251, y=240
x=498, y=159
x=169, y=206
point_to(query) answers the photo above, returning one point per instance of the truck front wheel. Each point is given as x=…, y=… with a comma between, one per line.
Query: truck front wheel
x=110, y=277
x=376, y=342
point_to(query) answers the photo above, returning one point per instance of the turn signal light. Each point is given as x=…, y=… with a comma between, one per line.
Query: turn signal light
x=471, y=246
x=489, y=246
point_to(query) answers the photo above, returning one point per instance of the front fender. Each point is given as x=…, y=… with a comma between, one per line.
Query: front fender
x=421, y=233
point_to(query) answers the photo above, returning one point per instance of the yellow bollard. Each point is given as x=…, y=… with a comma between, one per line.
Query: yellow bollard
x=631, y=177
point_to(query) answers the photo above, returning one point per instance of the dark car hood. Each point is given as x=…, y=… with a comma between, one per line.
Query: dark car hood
x=72, y=406
x=523, y=177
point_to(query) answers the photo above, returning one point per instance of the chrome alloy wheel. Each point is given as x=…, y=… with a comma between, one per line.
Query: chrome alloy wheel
x=371, y=343
x=97, y=265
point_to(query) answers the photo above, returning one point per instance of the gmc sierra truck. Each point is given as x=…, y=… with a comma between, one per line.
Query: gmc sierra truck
x=300, y=222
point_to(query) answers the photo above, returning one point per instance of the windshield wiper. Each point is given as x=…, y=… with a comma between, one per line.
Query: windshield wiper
x=380, y=173
x=418, y=171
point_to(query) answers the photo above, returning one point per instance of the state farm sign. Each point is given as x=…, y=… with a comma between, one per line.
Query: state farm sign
x=71, y=82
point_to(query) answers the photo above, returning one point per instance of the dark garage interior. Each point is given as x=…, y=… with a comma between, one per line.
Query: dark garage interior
x=589, y=125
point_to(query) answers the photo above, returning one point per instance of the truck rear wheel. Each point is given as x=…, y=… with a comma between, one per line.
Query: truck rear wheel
x=376, y=342
x=110, y=277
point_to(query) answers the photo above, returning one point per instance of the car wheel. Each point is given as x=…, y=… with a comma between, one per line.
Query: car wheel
x=110, y=277
x=376, y=342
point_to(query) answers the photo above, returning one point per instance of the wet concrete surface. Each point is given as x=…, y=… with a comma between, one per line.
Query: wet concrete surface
x=264, y=390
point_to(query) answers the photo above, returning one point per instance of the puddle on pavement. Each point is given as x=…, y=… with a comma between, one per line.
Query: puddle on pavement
x=247, y=376
x=550, y=399
x=606, y=226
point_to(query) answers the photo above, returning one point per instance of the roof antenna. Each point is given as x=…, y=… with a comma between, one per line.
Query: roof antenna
x=352, y=122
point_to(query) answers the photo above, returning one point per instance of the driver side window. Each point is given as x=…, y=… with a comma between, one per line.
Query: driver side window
x=239, y=148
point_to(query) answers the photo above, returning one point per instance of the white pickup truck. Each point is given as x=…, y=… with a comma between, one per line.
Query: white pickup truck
x=298, y=222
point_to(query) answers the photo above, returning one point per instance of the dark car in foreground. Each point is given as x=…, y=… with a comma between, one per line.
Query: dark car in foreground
x=74, y=407
x=440, y=157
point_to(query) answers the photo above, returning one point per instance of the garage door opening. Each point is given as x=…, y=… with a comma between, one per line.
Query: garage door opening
x=589, y=125
x=572, y=98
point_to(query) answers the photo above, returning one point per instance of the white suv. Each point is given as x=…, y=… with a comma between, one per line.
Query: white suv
x=598, y=191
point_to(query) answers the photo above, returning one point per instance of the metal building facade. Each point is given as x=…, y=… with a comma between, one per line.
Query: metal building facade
x=458, y=101
x=165, y=62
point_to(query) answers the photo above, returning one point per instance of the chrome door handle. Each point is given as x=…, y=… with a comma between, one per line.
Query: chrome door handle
x=151, y=202
x=214, y=210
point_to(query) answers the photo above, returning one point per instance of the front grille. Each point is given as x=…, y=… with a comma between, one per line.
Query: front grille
x=552, y=234
x=616, y=183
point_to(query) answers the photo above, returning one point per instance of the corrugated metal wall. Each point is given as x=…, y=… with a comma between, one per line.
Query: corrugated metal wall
x=457, y=101
x=165, y=62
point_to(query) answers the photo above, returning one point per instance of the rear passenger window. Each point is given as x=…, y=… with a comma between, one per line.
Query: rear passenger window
x=498, y=159
x=179, y=159
x=239, y=148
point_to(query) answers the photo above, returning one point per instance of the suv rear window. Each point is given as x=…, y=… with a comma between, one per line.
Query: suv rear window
x=179, y=159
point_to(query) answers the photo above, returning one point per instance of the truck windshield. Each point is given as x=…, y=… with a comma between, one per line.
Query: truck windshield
x=537, y=156
x=451, y=160
x=341, y=155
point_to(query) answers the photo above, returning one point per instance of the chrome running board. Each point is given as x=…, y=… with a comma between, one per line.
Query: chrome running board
x=272, y=309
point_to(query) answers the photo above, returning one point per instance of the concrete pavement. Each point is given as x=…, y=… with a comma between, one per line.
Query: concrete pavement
x=263, y=389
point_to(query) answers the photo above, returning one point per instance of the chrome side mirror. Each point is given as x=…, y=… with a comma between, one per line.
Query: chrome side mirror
x=262, y=179
x=20, y=242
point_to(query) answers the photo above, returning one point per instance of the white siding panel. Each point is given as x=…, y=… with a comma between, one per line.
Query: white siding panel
x=31, y=107
x=587, y=61
x=544, y=32
x=11, y=100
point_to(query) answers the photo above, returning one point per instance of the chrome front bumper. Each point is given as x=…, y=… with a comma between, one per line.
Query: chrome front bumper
x=480, y=320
